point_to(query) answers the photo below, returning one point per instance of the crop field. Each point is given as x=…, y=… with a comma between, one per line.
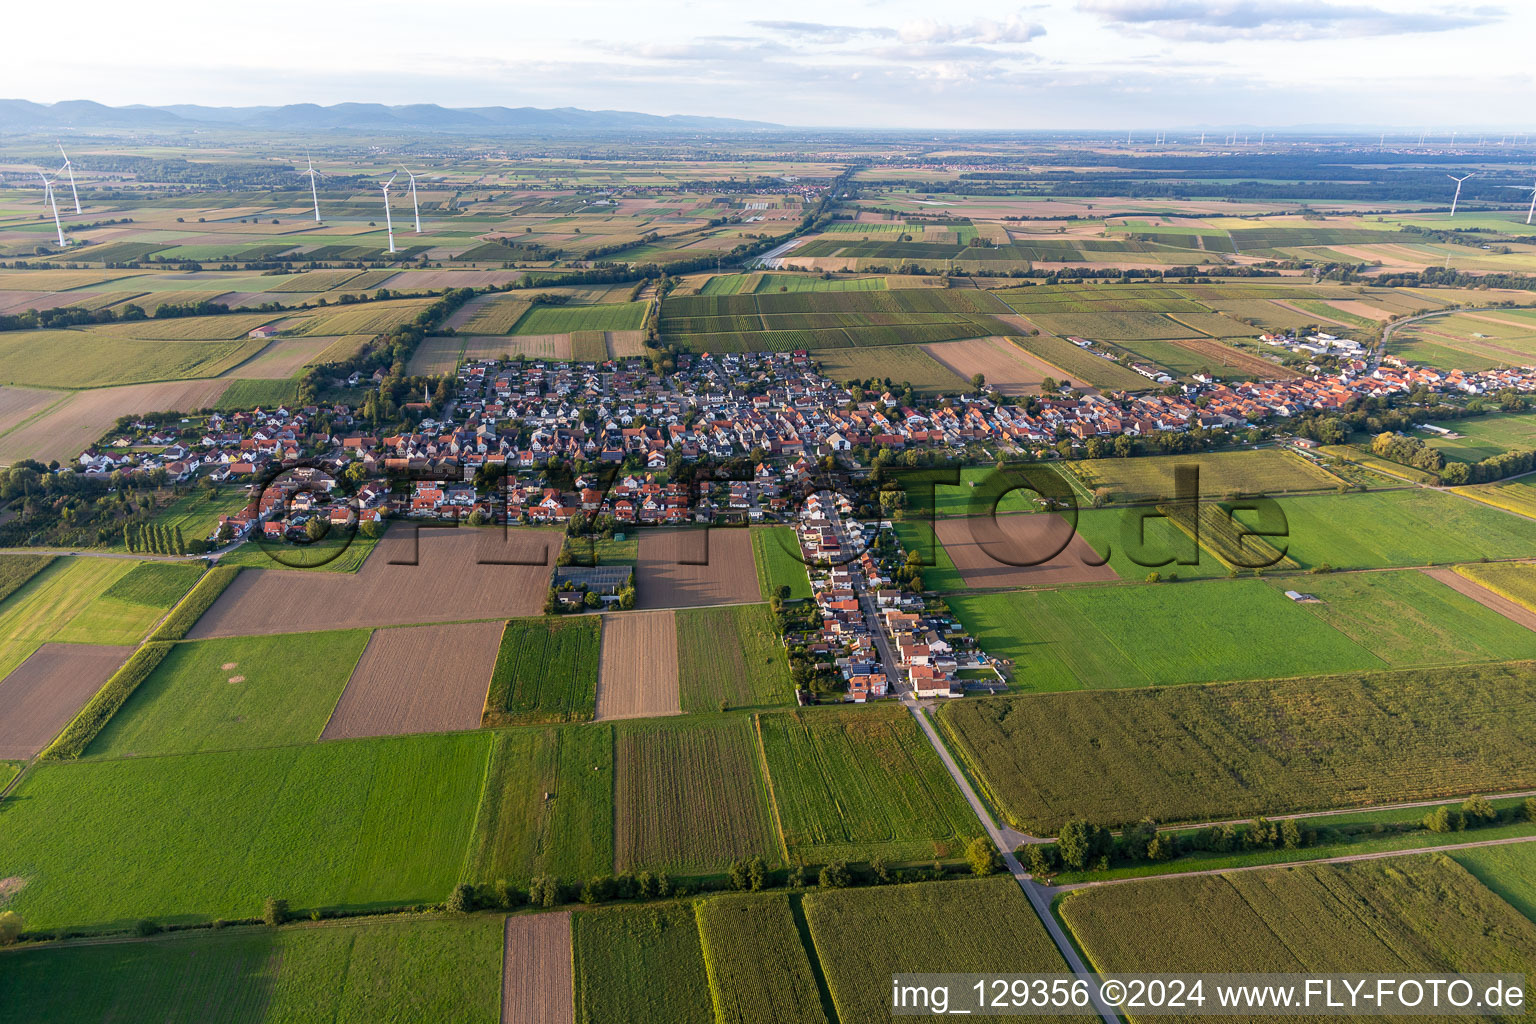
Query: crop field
x=232, y=327
x=589, y=346
x=43, y=693
x=1509, y=871
x=1408, y=618
x=67, y=428
x=1155, y=636
x=902, y=364
x=505, y=347
x=45, y=608
x=1080, y=366
x=545, y=672
x=282, y=358
x=364, y=318
x=1221, y=534
x=1399, y=528
x=17, y=405
x=547, y=806
x=977, y=926
x=18, y=569
x=85, y=359
x=1266, y=471
x=691, y=568
x=637, y=674
x=625, y=344
x=622, y=316
x=233, y=693
x=730, y=656
x=450, y=575
x=759, y=969
x=1112, y=326
x=1412, y=914
x=1007, y=368
x=536, y=978
x=339, y=551
x=1515, y=581
x=689, y=796
x=851, y=784
x=341, y=824
x=354, y=973
x=776, y=552
x=258, y=394
x=125, y=610
x=437, y=355
x=418, y=679
x=1482, y=437
x=1518, y=496
x=1203, y=753
x=1468, y=341
x=1019, y=551
x=490, y=314
x=640, y=964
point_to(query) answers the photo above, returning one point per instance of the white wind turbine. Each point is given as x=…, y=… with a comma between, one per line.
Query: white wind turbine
x=389, y=222
x=415, y=207
x=1457, y=196
x=1532, y=190
x=314, y=193
x=71, y=169
x=50, y=199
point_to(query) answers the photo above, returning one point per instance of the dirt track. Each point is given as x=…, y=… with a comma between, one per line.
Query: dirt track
x=418, y=679
x=693, y=568
x=450, y=582
x=44, y=692
x=637, y=671
x=986, y=550
x=1511, y=610
x=536, y=985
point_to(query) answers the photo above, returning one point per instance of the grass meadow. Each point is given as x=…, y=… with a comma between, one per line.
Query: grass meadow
x=643, y=965
x=545, y=672
x=730, y=655
x=777, y=554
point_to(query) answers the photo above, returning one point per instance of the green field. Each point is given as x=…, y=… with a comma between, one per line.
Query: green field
x=1514, y=580
x=1141, y=636
x=125, y=610
x=258, y=394
x=547, y=807
x=338, y=553
x=74, y=358
x=394, y=972
x=234, y=693
x=983, y=490
x=1482, y=437
x=1408, y=914
x=1509, y=871
x=1209, y=753
x=759, y=968
x=622, y=316
x=191, y=837
x=983, y=925
x=689, y=796
x=642, y=965
x=939, y=572
x=197, y=512
x=777, y=554
x=900, y=364
x=1379, y=529
x=733, y=655
x=545, y=672
x=1221, y=474
x=856, y=783
x=1407, y=619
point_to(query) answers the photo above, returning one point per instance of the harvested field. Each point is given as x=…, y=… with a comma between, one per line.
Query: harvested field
x=419, y=679
x=45, y=691
x=536, y=977
x=76, y=423
x=1355, y=307
x=452, y=575
x=1511, y=610
x=281, y=359
x=692, y=568
x=1225, y=358
x=16, y=404
x=637, y=673
x=436, y=355
x=534, y=346
x=623, y=344
x=1007, y=368
x=989, y=551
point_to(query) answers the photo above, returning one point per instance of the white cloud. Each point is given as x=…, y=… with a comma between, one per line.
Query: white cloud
x=1221, y=20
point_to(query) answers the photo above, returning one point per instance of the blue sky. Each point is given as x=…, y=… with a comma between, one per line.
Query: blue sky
x=1148, y=64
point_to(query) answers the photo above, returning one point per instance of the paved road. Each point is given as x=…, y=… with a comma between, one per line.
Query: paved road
x=99, y=554
x=1055, y=890
x=1039, y=897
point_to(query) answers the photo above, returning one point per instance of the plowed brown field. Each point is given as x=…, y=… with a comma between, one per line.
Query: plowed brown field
x=536, y=986
x=988, y=549
x=455, y=577
x=44, y=692
x=693, y=568
x=1008, y=368
x=78, y=422
x=637, y=672
x=418, y=679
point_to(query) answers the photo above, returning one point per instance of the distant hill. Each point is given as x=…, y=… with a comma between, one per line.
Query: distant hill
x=23, y=116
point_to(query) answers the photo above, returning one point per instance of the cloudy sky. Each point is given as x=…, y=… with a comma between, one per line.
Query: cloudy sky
x=879, y=63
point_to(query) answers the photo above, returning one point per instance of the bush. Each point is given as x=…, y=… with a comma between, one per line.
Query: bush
x=1528, y=809
x=94, y=716
x=144, y=928
x=1043, y=859
x=275, y=911
x=757, y=874
x=835, y=876
x=11, y=927
x=198, y=600
x=544, y=891
x=461, y=900
x=982, y=856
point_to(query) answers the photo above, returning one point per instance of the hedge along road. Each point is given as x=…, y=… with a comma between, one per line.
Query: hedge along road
x=1039, y=896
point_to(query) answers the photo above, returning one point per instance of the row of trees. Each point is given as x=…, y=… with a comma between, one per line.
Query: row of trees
x=154, y=539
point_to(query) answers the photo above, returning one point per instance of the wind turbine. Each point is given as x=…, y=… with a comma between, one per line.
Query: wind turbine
x=389, y=222
x=1457, y=196
x=71, y=169
x=49, y=198
x=1532, y=190
x=414, y=207
x=314, y=193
